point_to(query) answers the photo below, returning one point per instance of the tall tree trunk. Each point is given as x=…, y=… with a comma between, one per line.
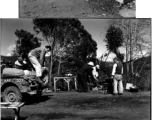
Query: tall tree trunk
x=127, y=65
x=59, y=65
x=131, y=63
x=127, y=55
x=51, y=64
x=50, y=70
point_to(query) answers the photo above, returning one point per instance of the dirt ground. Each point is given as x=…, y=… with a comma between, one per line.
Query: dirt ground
x=85, y=106
x=59, y=9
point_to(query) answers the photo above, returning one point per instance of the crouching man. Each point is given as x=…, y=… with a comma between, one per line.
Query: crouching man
x=83, y=77
x=36, y=55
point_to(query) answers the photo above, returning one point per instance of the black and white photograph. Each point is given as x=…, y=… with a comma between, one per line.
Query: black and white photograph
x=74, y=69
x=77, y=8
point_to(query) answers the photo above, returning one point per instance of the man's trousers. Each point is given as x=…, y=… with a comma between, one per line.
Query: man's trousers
x=36, y=65
x=117, y=84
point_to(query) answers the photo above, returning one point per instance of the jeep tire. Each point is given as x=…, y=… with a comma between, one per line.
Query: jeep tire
x=45, y=77
x=11, y=94
x=45, y=80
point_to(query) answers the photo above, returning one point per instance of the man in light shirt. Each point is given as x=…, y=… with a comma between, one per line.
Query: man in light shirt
x=117, y=72
x=37, y=58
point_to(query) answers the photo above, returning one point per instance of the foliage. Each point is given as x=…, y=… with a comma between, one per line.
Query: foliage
x=26, y=42
x=105, y=70
x=8, y=60
x=137, y=40
x=70, y=42
x=114, y=40
x=136, y=35
x=144, y=71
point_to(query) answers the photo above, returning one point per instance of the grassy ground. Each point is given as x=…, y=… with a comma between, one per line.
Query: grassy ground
x=86, y=106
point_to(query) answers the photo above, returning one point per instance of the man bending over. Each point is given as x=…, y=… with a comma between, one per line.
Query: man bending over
x=37, y=58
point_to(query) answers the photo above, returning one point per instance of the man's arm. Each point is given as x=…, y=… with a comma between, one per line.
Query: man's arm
x=114, y=69
x=94, y=79
x=42, y=57
x=122, y=70
x=93, y=74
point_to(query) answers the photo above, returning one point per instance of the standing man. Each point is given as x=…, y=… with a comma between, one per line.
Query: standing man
x=37, y=58
x=117, y=72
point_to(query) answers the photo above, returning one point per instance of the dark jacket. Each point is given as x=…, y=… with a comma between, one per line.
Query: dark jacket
x=86, y=71
x=119, y=68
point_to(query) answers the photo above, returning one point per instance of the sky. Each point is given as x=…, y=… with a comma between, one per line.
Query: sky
x=96, y=27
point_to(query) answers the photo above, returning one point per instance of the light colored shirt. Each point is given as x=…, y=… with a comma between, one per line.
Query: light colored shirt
x=94, y=71
x=114, y=69
x=38, y=52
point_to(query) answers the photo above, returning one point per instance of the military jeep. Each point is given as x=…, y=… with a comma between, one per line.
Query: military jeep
x=13, y=87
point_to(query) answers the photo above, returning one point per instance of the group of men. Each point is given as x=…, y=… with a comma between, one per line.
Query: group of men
x=88, y=73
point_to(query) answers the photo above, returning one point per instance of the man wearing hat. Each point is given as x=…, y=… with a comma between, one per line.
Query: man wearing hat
x=83, y=76
x=117, y=72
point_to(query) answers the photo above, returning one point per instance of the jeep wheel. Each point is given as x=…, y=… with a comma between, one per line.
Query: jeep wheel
x=45, y=77
x=45, y=80
x=11, y=94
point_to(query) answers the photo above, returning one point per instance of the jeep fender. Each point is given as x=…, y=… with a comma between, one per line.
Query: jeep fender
x=19, y=86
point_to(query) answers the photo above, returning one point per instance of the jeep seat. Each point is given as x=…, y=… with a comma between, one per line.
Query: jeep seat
x=12, y=72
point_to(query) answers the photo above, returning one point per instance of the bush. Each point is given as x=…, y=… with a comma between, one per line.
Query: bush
x=144, y=81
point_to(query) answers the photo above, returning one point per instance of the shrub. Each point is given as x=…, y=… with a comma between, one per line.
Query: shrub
x=144, y=71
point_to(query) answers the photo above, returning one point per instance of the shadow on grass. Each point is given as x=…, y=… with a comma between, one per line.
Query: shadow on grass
x=67, y=116
x=51, y=116
x=113, y=101
x=33, y=99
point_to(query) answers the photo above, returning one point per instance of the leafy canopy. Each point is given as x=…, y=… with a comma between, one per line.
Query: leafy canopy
x=25, y=42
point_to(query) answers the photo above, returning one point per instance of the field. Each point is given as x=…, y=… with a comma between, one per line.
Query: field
x=63, y=8
x=86, y=106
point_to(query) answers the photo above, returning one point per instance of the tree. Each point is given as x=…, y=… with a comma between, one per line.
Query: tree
x=69, y=35
x=26, y=42
x=136, y=35
x=114, y=40
x=49, y=28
